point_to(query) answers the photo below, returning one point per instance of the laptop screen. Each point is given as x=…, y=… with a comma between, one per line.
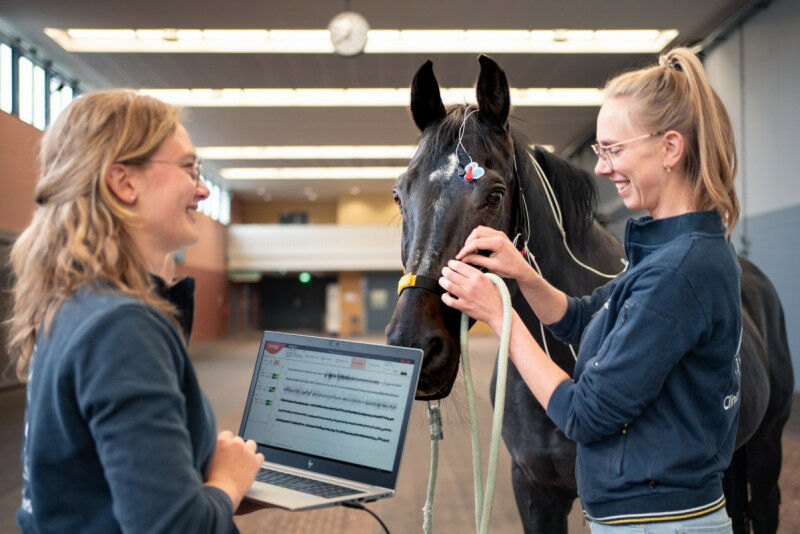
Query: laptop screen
x=331, y=400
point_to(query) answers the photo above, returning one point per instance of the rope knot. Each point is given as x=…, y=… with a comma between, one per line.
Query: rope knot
x=435, y=420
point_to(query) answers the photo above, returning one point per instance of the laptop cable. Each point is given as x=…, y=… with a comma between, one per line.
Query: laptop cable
x=358, y=506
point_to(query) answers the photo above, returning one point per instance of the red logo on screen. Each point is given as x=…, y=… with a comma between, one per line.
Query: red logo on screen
x=273, y=348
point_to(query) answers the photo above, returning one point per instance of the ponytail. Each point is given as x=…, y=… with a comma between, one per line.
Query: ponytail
x=676, y=95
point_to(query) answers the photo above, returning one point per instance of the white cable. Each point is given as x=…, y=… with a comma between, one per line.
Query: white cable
x=556, y=210
x=462, y=130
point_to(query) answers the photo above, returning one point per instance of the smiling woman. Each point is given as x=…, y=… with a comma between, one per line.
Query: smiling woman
x=670, y=324
x=164, y=191
x=114, y=410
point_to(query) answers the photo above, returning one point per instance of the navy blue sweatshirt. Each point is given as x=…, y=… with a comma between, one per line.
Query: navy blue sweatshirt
x=118, y=435
x=653, y=404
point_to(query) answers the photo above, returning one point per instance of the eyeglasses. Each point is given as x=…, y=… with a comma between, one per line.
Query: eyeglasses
x=192, y=167
x=608, y=152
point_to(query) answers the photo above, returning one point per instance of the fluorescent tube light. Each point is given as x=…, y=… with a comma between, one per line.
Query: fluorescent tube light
x=362, y=97
x=299, y=152
x=310, y=173
x=172, y=40
x=307, y=152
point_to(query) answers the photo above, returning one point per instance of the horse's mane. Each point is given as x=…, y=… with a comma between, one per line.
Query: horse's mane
x=574, y=188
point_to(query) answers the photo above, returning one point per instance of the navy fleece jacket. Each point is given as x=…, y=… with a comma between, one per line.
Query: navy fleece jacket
x=653, y=404
x=118, y=435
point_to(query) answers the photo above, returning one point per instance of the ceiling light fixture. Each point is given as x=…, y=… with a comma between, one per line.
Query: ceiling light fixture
x=363, y=97
x=310, y=173
x=300, y=152
x=172, y=40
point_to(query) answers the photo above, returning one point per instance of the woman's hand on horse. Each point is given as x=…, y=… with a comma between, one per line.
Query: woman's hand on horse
x=468, y=291
x=503, y=259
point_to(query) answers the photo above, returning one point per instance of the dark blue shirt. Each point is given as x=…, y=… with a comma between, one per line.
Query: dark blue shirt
x=118, y=436
x=653, y=404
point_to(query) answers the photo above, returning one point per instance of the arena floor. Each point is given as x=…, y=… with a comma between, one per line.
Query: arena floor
x=224, y=369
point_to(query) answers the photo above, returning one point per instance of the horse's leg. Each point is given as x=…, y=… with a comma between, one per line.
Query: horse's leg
x=734, y=484
x=764, y=453
x=543, y=510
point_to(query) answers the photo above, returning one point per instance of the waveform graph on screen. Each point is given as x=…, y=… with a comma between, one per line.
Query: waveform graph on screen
x=332, y=405
x=338, y=402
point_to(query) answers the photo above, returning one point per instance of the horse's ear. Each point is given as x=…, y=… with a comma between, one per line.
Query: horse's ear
x=494, y=101
x=426, y=101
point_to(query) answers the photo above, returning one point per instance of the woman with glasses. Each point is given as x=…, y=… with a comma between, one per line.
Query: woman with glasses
x=653, y=402
x=118, y=434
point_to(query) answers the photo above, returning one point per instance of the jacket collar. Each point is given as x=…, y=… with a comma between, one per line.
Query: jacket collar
x=645, y=234
x=181, y=295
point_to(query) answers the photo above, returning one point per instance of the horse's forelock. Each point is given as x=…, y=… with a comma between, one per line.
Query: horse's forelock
x=443, y=137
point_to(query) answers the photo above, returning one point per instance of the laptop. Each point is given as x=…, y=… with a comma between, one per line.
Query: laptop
x=330, y=417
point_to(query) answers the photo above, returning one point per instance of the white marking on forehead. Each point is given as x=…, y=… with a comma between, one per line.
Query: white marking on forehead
x=447, y=170
x=427, y=262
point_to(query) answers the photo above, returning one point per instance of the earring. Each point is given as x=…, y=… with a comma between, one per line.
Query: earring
x=667, y=167
x=133, y=199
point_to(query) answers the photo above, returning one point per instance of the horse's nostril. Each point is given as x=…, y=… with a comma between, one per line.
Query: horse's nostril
x=435, y=346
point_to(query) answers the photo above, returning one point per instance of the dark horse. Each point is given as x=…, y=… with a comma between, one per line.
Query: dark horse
x=440, y=208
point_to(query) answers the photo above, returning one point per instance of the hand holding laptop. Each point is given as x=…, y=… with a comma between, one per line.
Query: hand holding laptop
x=234, y=466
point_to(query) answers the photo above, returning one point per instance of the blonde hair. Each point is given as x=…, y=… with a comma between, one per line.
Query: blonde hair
x=676, y=95
x=78, y=233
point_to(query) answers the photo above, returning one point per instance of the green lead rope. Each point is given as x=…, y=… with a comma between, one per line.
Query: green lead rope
x=484, y=498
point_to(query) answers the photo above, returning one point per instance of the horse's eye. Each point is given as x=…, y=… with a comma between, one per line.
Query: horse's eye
x=495, y=197
x=396, y=198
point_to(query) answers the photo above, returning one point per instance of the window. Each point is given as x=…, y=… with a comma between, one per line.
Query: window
x=29, y=86
x=213, y=197
x=218, y=204
x=225, y=208
x=25, y=89
x=38, y=97
x=60, y=96
x=6, y=78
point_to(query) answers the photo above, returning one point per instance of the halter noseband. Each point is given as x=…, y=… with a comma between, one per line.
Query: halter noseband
x=420, y=281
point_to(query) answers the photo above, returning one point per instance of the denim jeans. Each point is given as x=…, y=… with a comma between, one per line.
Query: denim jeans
x=714, y=523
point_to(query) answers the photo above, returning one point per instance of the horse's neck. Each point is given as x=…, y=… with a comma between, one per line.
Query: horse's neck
x=598, y=249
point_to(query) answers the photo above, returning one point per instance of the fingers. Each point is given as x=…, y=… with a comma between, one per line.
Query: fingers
x=463, y=269
x=482, y=231
x=477, y=296
x=492, y=243
x=478, y=261
x=456, y=275
x=453, y=302
x=226, y=438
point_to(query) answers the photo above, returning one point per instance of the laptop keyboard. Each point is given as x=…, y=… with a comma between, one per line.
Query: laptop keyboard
x=306, y=485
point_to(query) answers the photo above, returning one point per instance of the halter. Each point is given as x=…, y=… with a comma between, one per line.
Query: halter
x=419, y=281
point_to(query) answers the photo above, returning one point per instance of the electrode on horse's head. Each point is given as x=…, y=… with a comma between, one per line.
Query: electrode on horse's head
x=472, y=171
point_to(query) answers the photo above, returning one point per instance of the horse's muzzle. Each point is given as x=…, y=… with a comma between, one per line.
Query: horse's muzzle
x=421, y=320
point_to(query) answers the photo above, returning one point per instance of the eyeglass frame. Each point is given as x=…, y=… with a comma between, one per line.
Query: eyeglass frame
x=603, y=153
x=193, y=168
